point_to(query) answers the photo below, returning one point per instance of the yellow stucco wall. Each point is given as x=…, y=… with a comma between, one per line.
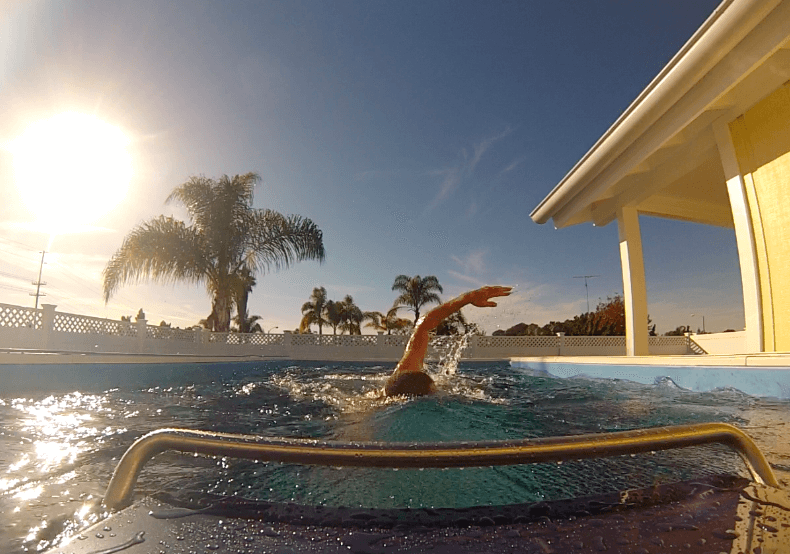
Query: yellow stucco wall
x=761, y=137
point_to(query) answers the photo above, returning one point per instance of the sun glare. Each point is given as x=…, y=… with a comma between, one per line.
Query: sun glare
x=71, y=169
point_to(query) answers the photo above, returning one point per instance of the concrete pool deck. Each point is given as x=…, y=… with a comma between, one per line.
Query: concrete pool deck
x=756, y=374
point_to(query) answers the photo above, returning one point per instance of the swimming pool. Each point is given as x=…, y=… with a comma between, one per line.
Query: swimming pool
x=60, y=448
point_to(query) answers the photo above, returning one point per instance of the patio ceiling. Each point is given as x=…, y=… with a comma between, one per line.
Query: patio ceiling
x=660, y=156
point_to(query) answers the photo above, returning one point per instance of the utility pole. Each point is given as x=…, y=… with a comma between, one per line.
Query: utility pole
x=39, y=283
x=586, y=289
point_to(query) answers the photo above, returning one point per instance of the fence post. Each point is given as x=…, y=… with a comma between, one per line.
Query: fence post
x=142, y=334
x=47, y=324
x=688, y=342
x=471, y=347
x=288, y=344
x=561, y=343
x=379, y=352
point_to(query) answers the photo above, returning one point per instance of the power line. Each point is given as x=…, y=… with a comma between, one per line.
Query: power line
x=13, y=288
x=12, y=276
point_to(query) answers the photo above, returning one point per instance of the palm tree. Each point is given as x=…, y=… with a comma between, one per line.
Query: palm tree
x=416, y=292
x=351, y=316
x=225, y=235
x=248, y=324
x=334, y=314
x=313, y=310
x=454, y=324
x=389, y=322
x=242, y=287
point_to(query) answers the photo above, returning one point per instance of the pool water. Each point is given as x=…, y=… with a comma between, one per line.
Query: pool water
x=58, y=450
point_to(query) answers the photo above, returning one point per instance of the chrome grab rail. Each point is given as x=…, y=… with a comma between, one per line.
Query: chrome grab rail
x=451, y=454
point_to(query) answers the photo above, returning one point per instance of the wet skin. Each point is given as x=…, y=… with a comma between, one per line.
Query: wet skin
x=409, y=377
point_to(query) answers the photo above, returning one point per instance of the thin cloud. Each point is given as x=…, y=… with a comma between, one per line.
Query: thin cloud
x=473, y=262
x=481, y=147
x=454, y=176
x=451, y=180
x=375, y=173
x=466, y=278
x=513, y=165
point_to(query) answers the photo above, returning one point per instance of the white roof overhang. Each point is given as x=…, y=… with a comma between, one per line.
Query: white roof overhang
x=660, y=156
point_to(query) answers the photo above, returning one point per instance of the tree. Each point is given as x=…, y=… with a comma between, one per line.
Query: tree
x=389, y=322
x=248, y=324
x=334, y=314
x=351, y=316
x=225, y=236
x=609, y=317
x=242, y=287
x=313, y=311
x=416, y=292
x=454, y=324
x=679, y=331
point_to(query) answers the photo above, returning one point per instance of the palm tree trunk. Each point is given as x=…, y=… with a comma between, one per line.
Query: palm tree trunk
x=241, y=308
x=221, y=305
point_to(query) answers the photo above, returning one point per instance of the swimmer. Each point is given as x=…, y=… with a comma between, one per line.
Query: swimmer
x=409, y=377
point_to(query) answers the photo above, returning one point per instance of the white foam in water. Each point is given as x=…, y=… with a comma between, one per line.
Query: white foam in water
x=353, y=392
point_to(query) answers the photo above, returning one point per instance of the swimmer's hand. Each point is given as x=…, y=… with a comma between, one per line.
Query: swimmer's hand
x=481, y=296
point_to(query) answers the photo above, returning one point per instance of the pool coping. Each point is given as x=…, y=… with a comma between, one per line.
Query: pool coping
x=767, y=359
x=754, y=374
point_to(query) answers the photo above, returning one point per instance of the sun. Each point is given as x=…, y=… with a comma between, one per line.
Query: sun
x=71, y=169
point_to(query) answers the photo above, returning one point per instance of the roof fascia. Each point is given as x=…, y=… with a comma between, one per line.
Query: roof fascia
x=717, y=36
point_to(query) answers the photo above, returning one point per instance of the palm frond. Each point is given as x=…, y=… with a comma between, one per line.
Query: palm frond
x=162, y=249
x=275, y=241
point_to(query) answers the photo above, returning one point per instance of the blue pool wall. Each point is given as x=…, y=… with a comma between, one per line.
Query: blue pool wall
x=756, y=381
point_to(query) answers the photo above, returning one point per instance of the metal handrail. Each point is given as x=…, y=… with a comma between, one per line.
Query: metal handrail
x=421, y=455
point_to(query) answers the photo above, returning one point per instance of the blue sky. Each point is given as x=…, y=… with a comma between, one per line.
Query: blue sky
x=417, y=135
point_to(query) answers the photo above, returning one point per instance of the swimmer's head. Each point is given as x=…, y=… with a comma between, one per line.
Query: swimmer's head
x=410, y=383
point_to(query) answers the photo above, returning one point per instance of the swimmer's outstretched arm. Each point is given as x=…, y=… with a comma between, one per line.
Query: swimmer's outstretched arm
x=414, y=355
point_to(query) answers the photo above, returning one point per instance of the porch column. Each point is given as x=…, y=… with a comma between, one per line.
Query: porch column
x=744, y=238
x=634, y=289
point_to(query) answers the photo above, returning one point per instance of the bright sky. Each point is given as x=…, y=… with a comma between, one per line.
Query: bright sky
x=417, y=135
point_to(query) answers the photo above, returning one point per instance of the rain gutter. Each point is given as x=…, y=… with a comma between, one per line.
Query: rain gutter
x=719, y=34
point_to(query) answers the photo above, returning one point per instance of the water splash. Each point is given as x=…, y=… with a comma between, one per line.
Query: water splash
x=450, y=349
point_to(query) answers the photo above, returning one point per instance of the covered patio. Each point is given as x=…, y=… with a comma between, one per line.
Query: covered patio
x=708, y=141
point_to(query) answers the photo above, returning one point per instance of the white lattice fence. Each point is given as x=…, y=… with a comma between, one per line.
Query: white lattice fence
x=594, y=342
x=17, y=316
x=667, y=341
x=169, y=333
x=668, y=345
x=304, y=340
x=526, y=341
x=395, y=340
x=261, y=339
x=81, y=324
x=219, y=338
x=22, y=327
x=350, y=340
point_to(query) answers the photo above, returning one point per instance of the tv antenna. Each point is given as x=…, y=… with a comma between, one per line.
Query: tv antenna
x=39, y=283
x=586, y=289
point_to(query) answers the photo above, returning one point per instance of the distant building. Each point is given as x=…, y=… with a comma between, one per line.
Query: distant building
x=707, y=141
